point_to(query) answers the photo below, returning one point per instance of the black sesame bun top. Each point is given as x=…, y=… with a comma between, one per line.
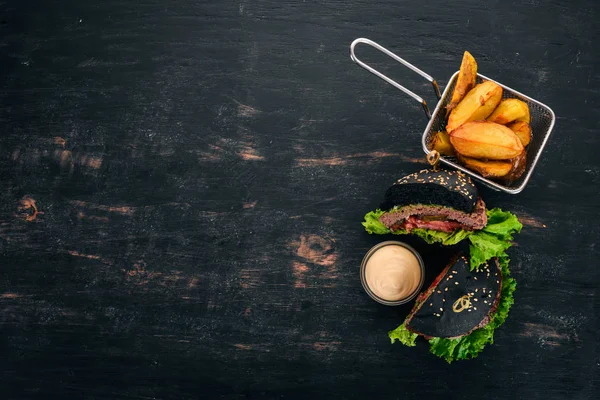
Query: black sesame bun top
x=444, y=188
x=458, y=302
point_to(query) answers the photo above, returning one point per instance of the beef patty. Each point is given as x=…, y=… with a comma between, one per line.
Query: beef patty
x=439, y=218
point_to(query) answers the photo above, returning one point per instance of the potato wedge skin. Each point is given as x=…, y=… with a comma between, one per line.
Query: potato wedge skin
x=478, y=104
x=519, y=164
x=487, y=140
x=466, y=80
x=523, y=131
x=487, y=169
x=440, y=141
x=510, y=110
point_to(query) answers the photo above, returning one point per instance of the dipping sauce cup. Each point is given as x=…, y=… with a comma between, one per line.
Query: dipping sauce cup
x=392, y=273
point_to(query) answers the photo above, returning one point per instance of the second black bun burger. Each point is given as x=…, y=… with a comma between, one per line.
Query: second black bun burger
x=458, y=301
x=442, y=201
x=459, y=313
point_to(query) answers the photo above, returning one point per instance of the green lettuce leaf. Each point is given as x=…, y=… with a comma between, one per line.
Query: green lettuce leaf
x=502, y=224
x=485, y=246
x=509, y=285
x=372, y=223
x=402, y=334
x=445, y=238
x=492, y=241
x=495, y=238
x=470, y=346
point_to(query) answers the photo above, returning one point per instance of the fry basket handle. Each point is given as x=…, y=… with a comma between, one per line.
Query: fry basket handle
x=391, y=81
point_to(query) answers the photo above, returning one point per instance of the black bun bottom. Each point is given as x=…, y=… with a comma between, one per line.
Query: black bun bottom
x=445, y=188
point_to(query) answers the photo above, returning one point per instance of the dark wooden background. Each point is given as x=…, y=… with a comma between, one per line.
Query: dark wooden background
x=200, y=170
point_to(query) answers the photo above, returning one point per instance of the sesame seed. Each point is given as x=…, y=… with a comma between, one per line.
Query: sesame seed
x=456, y=283
x=441, y=309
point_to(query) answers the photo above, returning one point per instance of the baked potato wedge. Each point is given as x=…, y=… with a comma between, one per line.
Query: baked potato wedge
x=440, y=141
x=510, y=110
x=478, y=104
x=504, y=170
x=487, y=169
x=523, y=131
x=486, y=140
x=465, y=81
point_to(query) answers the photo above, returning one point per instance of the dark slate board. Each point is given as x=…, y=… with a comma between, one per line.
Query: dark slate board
x=200, y=170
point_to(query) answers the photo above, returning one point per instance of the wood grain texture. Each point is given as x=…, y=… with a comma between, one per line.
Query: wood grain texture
x=183, y=185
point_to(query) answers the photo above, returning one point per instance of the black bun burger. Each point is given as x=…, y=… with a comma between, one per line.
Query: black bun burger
x=459, y=313
x=458, y=301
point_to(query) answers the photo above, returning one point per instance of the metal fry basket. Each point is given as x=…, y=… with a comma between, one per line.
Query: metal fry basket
x=542, y=118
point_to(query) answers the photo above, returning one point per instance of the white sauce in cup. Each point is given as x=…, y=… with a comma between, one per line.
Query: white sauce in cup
x=392, y=273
